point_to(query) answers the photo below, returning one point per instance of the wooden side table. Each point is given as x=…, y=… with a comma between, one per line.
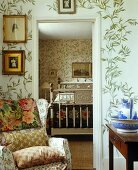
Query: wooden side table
x=126, y=143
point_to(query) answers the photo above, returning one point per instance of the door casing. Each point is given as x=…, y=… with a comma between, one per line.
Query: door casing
x=97, y=92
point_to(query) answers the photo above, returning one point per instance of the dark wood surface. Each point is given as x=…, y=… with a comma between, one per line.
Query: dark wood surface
x=126, y=143
x=125, y=137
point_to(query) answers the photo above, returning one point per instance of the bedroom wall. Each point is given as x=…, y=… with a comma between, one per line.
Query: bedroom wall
x=119, y=39
x=58, y=55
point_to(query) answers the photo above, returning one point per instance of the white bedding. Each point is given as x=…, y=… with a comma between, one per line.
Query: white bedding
x=64, y=98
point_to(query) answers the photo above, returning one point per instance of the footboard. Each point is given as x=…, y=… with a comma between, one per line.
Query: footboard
x=71, y=119
x=71, y=109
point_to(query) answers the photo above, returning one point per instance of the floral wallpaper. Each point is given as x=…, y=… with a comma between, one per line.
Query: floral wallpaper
x=116, y=53
x=17, y=86
x=116, y=31
x=114, y=49
x=59, y=55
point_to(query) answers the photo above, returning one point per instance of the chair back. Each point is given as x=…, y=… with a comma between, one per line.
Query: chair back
x=43, y=105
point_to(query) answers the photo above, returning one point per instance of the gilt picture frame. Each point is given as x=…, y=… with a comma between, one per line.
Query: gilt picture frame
x=82, y=70
x=14, y=28
x=66, y=6
x=13, y=62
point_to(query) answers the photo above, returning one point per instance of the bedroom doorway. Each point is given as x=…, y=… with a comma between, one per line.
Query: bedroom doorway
x=61, y=51
x=96, y=83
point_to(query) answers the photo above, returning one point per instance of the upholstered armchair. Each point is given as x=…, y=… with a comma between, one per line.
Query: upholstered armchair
x=31, y=148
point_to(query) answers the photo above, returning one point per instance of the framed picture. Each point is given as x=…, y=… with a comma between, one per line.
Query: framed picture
x=14, y=28
x=53, y=73
x=13, y=62
x=82, y=70
x=66, y=6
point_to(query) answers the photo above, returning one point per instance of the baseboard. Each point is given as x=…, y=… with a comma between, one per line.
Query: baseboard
x=119, y=163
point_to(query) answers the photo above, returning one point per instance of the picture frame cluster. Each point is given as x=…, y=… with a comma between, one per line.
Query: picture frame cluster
x=14, y=31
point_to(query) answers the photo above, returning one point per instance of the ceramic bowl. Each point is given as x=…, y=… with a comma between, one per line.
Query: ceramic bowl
x=126, y=125
x=125, y=114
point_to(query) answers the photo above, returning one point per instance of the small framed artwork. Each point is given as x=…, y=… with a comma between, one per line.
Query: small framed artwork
x=82, y=70
x=53, y=73
x=13, y=62
x=14, y=28
x=66, y=6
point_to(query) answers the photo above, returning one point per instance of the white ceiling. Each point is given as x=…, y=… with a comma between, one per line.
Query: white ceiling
x=74, y=30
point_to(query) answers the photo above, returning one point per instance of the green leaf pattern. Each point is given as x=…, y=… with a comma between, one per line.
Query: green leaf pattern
x=17, y=87
x=114, y=50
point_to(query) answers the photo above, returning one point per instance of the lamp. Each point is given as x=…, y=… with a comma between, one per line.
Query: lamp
x=45, y=86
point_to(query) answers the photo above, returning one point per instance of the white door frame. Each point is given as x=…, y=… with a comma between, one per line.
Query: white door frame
x=97, y=93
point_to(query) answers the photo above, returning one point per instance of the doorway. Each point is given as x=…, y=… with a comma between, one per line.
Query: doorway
x=61, y=51
x=97, y=142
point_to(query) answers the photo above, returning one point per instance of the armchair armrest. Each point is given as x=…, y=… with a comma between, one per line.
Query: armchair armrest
x=62, y=145
x=6, y=159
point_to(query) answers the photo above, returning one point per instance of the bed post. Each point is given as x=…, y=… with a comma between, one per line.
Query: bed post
x=51, y=105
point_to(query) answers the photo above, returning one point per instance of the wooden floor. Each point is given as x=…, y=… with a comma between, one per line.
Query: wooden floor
x=84, y=169
x=82, y=154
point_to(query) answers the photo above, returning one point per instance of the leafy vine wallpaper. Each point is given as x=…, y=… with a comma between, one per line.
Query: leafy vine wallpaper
x=119, y=39
x=17, y=86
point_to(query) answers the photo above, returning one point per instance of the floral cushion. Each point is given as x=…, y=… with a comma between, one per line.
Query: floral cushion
x=17, y=140
x=20, y=114
x=38, y=155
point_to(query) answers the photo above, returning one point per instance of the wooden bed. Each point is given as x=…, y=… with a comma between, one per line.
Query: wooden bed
x=71, y=109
